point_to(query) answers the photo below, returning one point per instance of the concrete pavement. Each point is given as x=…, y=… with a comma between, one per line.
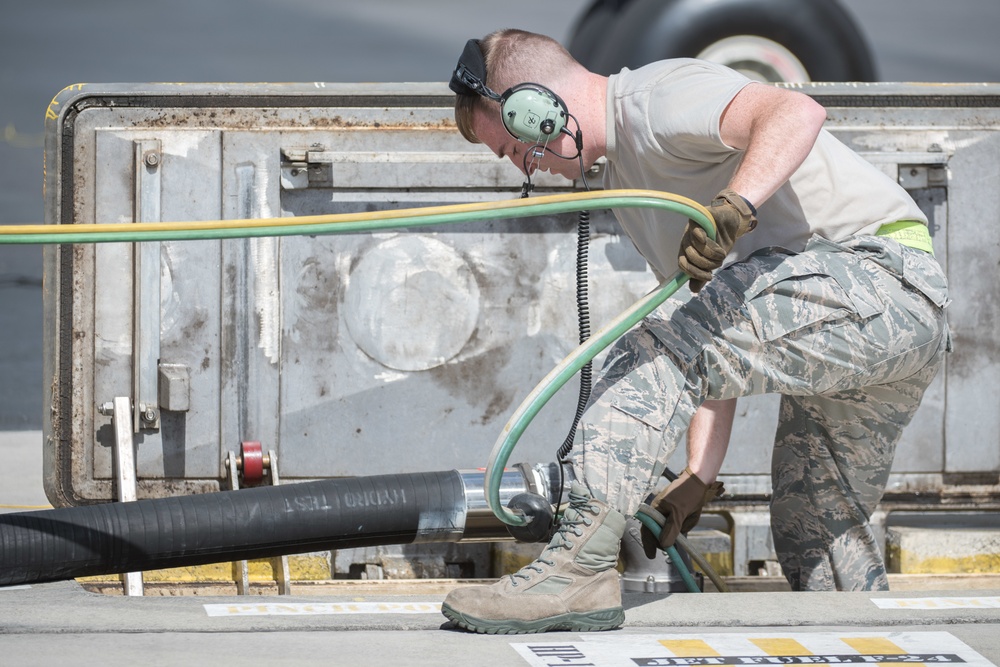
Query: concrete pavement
x=57, y=623
x=21, y=471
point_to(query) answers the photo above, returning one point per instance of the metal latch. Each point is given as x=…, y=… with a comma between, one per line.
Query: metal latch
x=915, y=176
x=407, y=167
x=300, y=169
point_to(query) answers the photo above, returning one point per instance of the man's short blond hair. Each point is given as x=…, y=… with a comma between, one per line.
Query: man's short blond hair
x=512, y=57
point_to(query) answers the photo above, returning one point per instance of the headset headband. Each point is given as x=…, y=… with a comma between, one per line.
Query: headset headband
x=530, y=112
x=469, y=77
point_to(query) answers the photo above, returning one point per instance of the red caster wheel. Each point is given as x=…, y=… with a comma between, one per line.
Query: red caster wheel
x=252, y=462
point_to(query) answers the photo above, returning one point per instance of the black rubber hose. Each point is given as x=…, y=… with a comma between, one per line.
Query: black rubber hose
x=52, y=545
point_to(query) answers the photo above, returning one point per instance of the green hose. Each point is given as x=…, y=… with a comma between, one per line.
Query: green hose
x=675, y=557
x=561, y=374
x=346, y=223
x=554, y=381
x=420, y=217
x=703, y=563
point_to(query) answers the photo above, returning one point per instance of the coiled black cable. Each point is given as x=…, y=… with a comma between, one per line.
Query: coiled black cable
x=582, y=309
x=583, y=316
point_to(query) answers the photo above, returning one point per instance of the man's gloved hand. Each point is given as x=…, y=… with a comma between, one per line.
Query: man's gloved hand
x=700, y=255
x=680, y=504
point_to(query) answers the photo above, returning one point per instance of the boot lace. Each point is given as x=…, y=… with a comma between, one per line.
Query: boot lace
x=573, y=522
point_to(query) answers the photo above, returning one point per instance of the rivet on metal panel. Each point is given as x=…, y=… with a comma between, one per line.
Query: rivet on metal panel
x=294, y=177
x=913, y=176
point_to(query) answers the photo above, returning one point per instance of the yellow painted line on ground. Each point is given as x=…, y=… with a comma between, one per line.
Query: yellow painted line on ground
x=783, y=646
x=872, y=645
x=875, y=645
x=689, y=648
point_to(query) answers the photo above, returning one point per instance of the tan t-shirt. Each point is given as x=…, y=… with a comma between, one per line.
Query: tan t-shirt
x=663, y=134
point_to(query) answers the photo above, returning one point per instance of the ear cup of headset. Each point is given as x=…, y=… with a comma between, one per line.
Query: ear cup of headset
x=532, y=113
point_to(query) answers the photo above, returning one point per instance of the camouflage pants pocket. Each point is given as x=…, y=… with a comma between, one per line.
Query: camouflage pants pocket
x=807, y=290
x=639, y=409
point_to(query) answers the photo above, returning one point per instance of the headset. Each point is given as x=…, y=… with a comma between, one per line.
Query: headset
x=530, y=112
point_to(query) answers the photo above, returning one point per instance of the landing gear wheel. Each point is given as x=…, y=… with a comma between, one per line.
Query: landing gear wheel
x=757, y=58
x=769, y=40
x=590, y=30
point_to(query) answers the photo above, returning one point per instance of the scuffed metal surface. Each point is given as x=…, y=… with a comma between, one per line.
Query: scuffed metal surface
x=398, y=351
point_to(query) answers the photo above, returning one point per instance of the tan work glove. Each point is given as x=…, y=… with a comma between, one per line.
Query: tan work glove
x=700, y=255
x=680, y=504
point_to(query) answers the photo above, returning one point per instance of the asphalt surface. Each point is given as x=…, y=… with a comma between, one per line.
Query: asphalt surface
x=61, y=623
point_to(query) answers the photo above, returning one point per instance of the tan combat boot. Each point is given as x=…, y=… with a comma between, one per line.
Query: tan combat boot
x=572, y=586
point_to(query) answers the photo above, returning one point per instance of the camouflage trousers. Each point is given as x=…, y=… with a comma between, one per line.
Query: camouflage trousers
x=849, y=334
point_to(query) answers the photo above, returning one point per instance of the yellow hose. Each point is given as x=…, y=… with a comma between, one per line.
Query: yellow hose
x=503, y=208
x=430, y=215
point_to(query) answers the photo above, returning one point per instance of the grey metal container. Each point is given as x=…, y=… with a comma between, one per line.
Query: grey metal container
x=407, y=350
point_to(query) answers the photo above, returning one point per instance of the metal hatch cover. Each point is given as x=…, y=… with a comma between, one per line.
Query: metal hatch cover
x=406, y=350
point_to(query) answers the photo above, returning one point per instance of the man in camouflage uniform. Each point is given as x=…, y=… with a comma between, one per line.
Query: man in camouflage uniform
x=834, y=300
